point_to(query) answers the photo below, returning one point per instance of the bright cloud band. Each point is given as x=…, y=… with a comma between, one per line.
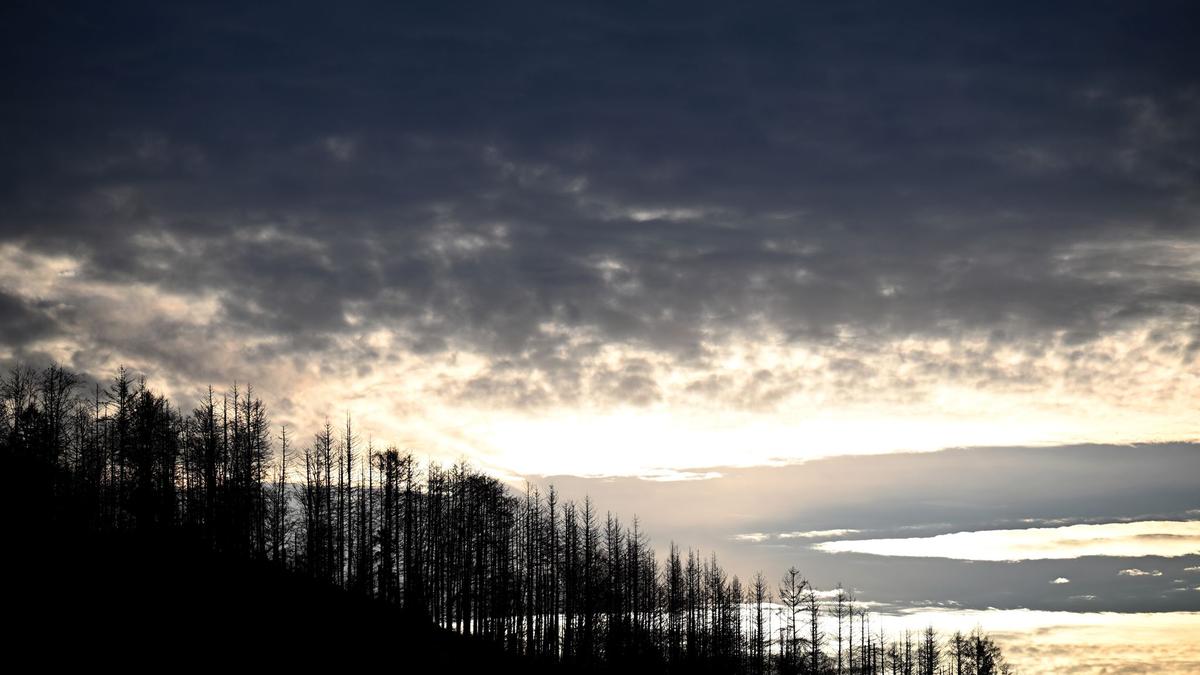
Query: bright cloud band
x=1167, y=538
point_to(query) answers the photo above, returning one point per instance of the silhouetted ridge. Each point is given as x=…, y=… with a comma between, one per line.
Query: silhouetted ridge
x=216, y=534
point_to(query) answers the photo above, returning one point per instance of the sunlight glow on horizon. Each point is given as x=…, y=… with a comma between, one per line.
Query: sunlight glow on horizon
x=1037, y=642
x=753, y=399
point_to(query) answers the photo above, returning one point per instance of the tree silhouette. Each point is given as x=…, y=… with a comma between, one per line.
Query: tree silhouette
x=529, y=573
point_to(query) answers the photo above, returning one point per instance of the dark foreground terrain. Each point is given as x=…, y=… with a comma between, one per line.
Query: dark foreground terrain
x=164, y=600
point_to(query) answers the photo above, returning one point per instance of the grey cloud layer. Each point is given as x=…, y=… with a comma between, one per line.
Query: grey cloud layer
x=656, y=178
x=917, y=495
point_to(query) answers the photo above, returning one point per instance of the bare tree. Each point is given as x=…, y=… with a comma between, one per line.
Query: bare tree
x=450, y=544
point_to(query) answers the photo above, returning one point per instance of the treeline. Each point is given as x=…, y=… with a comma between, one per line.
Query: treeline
x=548, y=579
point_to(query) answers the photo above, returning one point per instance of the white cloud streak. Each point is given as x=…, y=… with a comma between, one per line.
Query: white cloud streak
x=1135, y=539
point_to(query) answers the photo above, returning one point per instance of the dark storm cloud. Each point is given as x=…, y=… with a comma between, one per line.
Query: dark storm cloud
x=651, y=175
x=22, y=323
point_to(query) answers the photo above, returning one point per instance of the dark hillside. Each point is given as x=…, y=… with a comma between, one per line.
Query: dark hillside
x=78, y=598
x=140, y=534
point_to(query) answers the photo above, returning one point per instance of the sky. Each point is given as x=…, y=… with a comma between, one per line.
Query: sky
x=848, y=286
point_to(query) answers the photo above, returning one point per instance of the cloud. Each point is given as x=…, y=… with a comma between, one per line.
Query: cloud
x=922, y=495
x=340, y=148
x=1061, y=580
x=549, y=222
x=759, y=537
x=1133, y=539
x=817, y=534
x=1135, y=572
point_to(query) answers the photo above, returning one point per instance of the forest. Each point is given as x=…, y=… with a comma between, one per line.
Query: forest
x=553, y=583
